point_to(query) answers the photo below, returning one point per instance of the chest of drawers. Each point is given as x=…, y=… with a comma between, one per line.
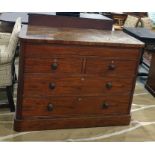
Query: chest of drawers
x=71, y=78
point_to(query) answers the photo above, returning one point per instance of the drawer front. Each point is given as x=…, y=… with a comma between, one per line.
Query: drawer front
x=47, y=51
x=54, y=65
x=103, y=67
x=65, y=106
x=43, y=85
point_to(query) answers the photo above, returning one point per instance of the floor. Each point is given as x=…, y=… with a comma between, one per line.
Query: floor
x=141, y=128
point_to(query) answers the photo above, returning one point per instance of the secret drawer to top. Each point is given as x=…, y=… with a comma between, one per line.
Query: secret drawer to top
x=48, y=51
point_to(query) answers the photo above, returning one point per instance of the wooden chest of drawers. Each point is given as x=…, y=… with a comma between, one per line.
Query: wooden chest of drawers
x=72, y=78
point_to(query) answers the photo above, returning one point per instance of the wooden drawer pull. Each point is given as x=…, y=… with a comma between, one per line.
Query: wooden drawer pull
x=54, y=66
x=105, y=105
x=112, y=66
x=109, y=85
x=50, y=107
x=52, y=85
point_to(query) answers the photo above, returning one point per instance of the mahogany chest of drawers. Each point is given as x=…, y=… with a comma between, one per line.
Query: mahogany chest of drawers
x=70, y=78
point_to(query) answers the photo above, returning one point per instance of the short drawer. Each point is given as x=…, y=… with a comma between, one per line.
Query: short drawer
x=47, y=85
x=47, y=51
x=65, y=106
x=112, y=67
x=54, y=65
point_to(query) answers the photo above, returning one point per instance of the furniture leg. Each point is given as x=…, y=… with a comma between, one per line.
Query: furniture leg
x=9, y=90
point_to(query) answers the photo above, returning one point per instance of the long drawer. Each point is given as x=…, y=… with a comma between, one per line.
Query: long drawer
x=47, y=51
x=65, y=106
x=43, y=85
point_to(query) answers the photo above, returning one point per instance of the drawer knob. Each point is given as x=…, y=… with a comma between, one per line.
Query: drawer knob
x=109, y=85
x=112, y=66
x=50, y=107
x=105, y=105
x=54, y=66
x=52, y=85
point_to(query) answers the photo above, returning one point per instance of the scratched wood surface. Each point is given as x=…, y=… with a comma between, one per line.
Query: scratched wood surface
x=70, y=77
x=78, y=36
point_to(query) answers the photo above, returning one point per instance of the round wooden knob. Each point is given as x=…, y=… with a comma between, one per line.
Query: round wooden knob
x=79, y=99
x=54, y=66
x=105, y=105
x=50, y=107
x=112, y=66
x=52, y=85
x=109, y=85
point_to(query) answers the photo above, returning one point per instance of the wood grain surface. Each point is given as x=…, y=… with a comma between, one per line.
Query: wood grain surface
x=38, y=85
x=78, y=36
x=73, y=77
x=72, y=122
x=40, y=50
x=85, y=21
x=72, y=106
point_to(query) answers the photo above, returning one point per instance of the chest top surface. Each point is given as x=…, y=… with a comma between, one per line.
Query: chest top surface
x=77, y=36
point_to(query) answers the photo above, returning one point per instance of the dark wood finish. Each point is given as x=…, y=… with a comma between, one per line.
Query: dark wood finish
x=71, y=122
x=72, y=106
x=110, y=67
x=35, y=50
x=85, y=20
x=77, y=36
x=93, y=65
x=73, y=86
x=20, y=81
x=55, y=65
x=75, y=78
